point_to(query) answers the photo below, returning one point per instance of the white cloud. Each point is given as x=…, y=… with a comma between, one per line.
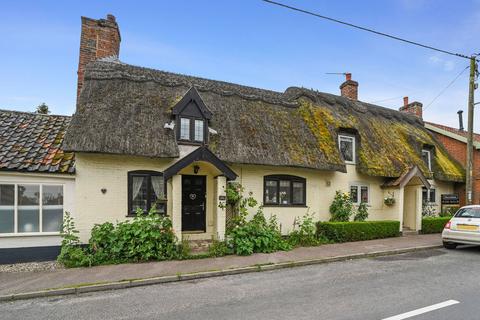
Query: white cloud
x=445, y=64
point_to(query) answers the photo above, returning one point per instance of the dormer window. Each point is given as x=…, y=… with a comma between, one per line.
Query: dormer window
x=346, y=145
x=192, y=117
x=427, y=158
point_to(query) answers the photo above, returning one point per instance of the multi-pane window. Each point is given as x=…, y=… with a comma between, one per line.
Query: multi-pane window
x=427, y=158
x=346, y=145
x=359, y=193
x=192, y=129
x=184, y=129
x=284, y=190
x=145, y=190
x=428, y=195
x=30, y=208
x=199, y=130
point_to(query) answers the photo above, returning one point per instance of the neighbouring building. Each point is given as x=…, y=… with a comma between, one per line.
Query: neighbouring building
x=455, y=142
x=144, y=137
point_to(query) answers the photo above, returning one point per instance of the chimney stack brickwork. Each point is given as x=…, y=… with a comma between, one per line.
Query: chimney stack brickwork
x=99, y=38
x=415, y=108
x=349, y=89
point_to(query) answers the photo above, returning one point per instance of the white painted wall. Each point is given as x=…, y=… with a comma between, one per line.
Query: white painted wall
x=21, y=240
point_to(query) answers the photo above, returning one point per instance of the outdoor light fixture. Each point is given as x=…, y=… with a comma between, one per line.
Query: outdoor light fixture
x=196, y=169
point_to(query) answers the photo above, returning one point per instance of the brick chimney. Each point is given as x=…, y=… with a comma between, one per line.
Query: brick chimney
x=414, y=108
x=99, y=38
x=349, y=89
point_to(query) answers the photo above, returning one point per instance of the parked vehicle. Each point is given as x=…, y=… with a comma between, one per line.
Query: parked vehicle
x=463, y=228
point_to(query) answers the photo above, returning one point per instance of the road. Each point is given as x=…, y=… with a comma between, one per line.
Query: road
x=375, y=288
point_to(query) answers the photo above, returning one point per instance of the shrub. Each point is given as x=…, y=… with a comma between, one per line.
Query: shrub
x=428, y=209
x=238, y=204
x=257, y=235
x=71, y=253
x=362, y=212
x=304, y=232
x=357, y=231
x=342, y=207
x=218, y=249
x=434, y=224
x=146, y=237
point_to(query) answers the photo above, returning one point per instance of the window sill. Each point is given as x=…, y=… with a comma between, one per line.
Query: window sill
x=285, y=206
x=29, y=234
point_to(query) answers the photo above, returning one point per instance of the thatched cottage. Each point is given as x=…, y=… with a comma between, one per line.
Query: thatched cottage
x=143, y=137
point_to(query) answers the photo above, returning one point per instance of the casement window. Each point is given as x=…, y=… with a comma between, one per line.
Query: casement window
x=192, y=130
x=346, y=145
x=145, y=190
x=428, y=195
x=427, y=158
x=359, y=193
x=31, y=208
x=284, y=190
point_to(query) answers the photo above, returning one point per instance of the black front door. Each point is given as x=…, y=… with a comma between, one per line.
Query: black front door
x=193, y=203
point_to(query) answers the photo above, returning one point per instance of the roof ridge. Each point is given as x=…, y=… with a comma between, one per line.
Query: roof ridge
x=34, y=113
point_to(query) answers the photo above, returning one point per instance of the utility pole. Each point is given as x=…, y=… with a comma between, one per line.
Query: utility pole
x=469, y=166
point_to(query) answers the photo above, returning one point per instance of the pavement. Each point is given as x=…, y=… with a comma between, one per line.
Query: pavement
x=433, y=284
x=22, y=285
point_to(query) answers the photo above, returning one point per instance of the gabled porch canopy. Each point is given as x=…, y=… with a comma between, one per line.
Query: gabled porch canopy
x=410, y=174
x=200, y=154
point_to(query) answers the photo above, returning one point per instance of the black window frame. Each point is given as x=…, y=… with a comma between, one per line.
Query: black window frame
x=283, y=177
x=192, y=130
x=428, y=193
x=131, y=212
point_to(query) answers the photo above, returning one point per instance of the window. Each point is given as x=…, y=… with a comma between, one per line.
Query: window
x=145, y=190
x=199, y=130
x=284, y=190
x=192, y=129
x=30, y=208
x=346, y=145
x=427, y=158
x=184, y=128
x=359, y=193
x=428, y=195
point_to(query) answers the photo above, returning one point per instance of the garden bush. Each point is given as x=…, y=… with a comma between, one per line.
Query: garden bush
x=72, y=254
x=342, y=207
x=257, y=235
x=357, y=231
x=362, y=212
x=304, y=232
x=434, y=224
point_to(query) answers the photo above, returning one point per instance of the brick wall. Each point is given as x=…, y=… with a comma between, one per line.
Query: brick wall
x=99, y=39
x=458, y=151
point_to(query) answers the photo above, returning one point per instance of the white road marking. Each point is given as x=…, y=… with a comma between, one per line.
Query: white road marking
x=423, y=310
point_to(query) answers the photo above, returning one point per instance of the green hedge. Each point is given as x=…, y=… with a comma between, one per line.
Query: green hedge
x=357, y=231
x=434, y=225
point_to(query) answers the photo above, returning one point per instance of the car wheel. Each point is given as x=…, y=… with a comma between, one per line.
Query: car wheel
x=449, y=245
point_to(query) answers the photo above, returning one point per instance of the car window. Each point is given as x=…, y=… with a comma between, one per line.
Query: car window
x=468, y=213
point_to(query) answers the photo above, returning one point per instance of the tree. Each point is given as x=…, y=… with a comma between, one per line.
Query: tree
x=42, y=109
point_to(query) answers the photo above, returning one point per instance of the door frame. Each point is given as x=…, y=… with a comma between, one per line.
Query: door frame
x=204, y=205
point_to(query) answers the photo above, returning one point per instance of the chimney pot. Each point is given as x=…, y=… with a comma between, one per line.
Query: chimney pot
x=405, y=101
x=111, y=17
x=460, y=120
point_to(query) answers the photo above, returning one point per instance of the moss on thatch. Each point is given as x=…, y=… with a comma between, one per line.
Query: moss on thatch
x=122, y=109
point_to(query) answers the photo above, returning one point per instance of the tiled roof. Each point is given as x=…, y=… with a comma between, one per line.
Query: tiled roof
x=462, y=133
x=33, y=142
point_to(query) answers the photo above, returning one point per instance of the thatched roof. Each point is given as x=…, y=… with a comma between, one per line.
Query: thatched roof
x=122, y=110
x=33, y=142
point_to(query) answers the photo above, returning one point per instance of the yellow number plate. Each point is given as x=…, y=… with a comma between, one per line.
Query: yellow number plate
x=467, y=227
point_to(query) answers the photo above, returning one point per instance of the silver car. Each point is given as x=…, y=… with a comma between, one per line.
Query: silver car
x=463, y=228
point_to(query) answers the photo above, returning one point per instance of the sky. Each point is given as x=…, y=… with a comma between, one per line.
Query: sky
x=252, y=43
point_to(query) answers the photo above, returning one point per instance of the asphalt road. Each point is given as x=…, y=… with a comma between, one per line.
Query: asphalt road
x=376, y=288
